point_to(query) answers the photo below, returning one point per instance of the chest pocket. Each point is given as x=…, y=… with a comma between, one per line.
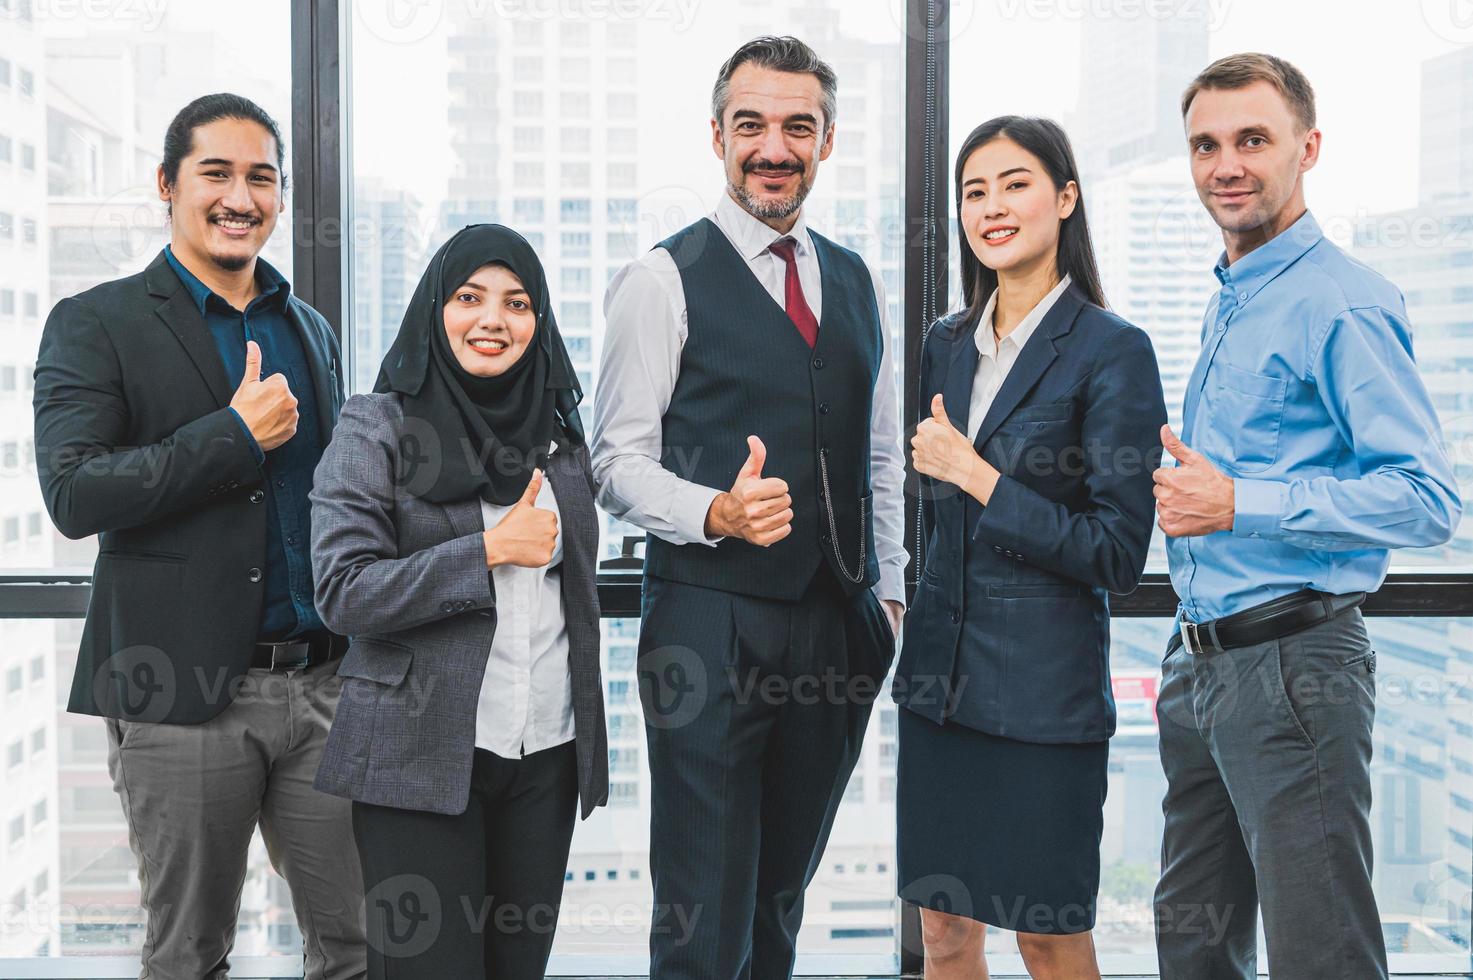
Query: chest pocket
x=1038, y=441
x=1247, y=410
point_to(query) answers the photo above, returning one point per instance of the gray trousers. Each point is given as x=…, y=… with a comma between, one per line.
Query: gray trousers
x=193, y=795
x=1267, y=752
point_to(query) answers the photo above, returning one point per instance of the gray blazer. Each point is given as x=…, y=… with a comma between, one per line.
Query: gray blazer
x=407, y=580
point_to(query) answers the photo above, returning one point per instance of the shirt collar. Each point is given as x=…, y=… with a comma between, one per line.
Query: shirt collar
x=984, y=337
x=1259, y=267
x=273, y=285
x=750, y=235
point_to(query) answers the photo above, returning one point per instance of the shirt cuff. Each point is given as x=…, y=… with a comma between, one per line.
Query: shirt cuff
x=688, y=513
x=1258, y=508
x=891, y=585
x=250, y=439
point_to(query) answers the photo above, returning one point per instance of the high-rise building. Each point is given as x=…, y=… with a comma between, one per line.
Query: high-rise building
x=28, y=810
x=1447, y=127
x=1132, y=74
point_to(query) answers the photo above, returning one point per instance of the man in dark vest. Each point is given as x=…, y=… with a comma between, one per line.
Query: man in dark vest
x=747, y=419
x=180, y=413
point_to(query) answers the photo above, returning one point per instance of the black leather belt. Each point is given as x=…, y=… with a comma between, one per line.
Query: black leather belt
x=302, y=651
x=1263, y=622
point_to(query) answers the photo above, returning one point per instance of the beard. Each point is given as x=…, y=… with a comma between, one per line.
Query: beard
x=232, y=263
x=759, y=207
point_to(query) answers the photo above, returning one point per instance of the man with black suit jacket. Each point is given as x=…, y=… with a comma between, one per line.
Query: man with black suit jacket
x=180, y=413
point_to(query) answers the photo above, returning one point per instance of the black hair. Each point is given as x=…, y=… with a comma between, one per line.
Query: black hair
x=179, y=137
x=1075, y=257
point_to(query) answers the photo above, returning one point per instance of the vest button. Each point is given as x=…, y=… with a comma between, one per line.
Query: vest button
x=824, y=537
x=818, y=364
x=823, y=408
x=257, y=496
x=254, y=575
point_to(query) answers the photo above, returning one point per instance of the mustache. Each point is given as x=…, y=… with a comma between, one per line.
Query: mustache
x=790, y=166
x=229, y=215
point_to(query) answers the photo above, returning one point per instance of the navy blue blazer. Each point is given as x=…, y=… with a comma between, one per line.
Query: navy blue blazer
x=1009, y=631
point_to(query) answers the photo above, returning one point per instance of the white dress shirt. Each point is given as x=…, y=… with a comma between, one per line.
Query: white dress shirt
x=645, y=313
x=998, y=356
x=526, y=702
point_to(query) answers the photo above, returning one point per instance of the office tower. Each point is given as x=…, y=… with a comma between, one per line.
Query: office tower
x=28, y=811
x=1424, y=739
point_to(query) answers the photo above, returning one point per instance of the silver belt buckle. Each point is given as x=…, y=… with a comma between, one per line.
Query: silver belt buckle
x=287, y=645
x=1190, y=639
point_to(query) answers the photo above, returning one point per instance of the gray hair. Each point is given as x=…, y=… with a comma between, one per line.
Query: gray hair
x=777, y=54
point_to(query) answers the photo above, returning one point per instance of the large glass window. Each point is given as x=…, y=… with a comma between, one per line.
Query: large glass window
x=1393, y=188
x=95, y=88
x=641, y=167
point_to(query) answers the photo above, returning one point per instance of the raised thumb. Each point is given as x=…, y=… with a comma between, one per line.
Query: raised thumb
x=755, y=458
x=534, y=487
x=938, y=410
x=253, y=363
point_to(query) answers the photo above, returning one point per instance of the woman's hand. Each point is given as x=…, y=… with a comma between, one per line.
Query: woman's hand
x=526, y=536
x=942, y=452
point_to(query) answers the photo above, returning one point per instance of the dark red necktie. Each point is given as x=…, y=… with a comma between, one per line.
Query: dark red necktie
x=793, y=300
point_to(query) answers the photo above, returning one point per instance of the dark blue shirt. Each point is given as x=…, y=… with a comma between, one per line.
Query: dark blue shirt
x=287, y=610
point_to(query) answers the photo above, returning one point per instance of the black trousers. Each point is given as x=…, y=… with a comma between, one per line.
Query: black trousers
x=755, y=710
x=476, y=894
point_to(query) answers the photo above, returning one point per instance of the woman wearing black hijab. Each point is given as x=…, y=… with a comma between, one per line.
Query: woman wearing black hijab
x=454, y=539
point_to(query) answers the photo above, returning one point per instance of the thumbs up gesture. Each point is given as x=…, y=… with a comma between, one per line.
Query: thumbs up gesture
x=526, y=535
x=756, y=509
x=1192, y=498
x=943, y=452
x=267, y=407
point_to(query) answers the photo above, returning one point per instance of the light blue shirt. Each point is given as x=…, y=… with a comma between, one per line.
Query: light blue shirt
x=1307, y=395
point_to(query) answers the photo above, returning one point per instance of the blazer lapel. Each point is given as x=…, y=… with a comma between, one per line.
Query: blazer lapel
x=956, y=387
x=183, y=319
x=1033, y=360
x=465, y=516
x=324, y=372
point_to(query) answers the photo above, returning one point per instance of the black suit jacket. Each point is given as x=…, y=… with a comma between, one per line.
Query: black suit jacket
x=135, y=443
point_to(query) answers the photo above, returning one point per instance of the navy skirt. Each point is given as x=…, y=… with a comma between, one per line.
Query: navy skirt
x=997, y=830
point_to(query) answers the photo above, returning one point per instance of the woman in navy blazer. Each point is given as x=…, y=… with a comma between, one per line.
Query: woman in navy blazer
x=1035, y=456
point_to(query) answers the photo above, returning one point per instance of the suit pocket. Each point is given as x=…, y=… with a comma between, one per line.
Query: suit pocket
x=1047, y=412
x=121, y=554
x=373, y=659
x=1042, y=590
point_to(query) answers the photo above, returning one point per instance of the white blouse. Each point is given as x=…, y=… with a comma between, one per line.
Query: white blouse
x=998, y=357
x=526, y=702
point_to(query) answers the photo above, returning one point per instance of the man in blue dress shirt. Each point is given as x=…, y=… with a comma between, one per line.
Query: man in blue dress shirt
x=1309, y=449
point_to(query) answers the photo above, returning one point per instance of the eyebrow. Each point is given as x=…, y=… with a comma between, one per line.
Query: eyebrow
x=1254, y=130
x=221, y=162
x=482, y=289
x=807, y=117
x=1005, y=173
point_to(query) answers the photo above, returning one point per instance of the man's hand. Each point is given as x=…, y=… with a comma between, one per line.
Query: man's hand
x=756, y=509
x=266, y=407
x=941, y=451
x=1192, y=498
x=526, y=535
x=894, y=611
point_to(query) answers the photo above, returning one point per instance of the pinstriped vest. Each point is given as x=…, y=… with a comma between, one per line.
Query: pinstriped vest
x=745, y=369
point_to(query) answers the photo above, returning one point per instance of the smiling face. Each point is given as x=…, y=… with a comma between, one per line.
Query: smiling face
x=489, y=321
x=771, y=139
x=1249, y=154
x=227, y=196
x=1011, y=210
